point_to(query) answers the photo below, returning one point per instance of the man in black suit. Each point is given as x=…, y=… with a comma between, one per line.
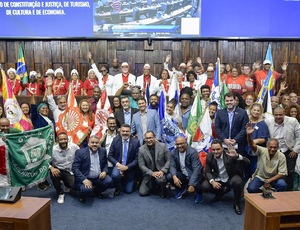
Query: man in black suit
x=223, y=172
x=230, y=124
x=124, y=116
x=123, y=155
x=90, y=170
x=185, y=170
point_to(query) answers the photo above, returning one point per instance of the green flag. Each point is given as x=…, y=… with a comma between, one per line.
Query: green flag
x=224, y=90
x=195, y=114
x=28, y=156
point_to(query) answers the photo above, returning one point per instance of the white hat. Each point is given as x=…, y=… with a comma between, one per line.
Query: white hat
x=124, y=64
x=49, y=71
x=74, y=71
x=209, y=68
x=58, y=70
x=90, y=70
x=147, y=66
x=11, y=70
x=33, y=73
x=267, y=62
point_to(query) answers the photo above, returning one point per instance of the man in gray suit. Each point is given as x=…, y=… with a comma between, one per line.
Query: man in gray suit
x=154, y=162
x=287, y=131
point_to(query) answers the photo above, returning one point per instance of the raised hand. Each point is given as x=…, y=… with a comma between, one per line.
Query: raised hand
x=284, y=66
x=283, y=86
x=168, y=58
x=231, y=151
x=249, y=128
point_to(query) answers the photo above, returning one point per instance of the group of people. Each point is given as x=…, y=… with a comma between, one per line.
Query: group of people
x=137, y=149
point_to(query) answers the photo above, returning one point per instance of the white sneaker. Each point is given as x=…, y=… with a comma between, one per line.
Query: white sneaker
x=61, y=198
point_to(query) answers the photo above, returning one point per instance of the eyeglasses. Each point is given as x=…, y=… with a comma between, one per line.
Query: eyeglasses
x=103, y=70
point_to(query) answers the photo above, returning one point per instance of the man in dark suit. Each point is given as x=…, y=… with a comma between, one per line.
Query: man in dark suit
x=124, y=116
x=123, y=155
x=223, y=172
x=154, y=162
x=90, y=170
x=230, y=124
x=185, y=170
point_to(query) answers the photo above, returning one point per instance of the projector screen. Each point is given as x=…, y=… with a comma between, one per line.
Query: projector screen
x=150, y=19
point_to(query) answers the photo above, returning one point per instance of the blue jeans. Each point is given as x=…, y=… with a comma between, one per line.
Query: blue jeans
x=128, y=180
x=256, y=183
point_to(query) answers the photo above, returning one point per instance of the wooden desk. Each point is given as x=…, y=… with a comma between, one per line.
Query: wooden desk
x=29, y=213
x=270, y=214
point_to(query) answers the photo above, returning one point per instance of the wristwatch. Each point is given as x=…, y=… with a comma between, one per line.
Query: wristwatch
x=267, y=181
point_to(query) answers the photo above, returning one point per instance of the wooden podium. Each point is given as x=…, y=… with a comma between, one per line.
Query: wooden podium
x=270, y=214
x=30, y=213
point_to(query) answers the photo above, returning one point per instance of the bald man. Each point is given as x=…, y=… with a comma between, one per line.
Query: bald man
x=185, y=170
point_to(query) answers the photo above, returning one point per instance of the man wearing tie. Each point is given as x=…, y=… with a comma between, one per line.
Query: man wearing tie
x=123, y=155
x=230, y=125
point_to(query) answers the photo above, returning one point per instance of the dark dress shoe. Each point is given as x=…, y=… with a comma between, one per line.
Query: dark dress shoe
x=117, y=192
x=82, y=199
x=237, y=209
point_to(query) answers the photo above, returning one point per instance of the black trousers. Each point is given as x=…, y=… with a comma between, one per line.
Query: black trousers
x=290, y=164
x=64, y=176
x=235, y=183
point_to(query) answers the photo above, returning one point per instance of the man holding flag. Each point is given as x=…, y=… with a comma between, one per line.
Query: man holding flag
x=268, y=72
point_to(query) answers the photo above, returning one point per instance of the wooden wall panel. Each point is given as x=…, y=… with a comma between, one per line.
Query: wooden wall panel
x=41, y=55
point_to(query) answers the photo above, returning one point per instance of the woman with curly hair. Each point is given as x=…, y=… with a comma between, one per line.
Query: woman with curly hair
x=293, y=110
x=88, y=118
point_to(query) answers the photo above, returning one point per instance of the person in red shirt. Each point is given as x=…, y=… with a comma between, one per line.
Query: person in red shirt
x=90, y=83
x=247, y=74
x=210, y=76
x=235, y=82
x=35, y=87
x=13, y=82
x=60, y=84
x=261, y=75
x=76, y=83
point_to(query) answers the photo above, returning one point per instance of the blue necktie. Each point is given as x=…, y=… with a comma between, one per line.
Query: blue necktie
x=125, y=151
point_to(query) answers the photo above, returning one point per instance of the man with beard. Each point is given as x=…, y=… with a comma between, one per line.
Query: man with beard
x=61, y=165
x=124, y=116
x=154, y=162
x=230, y=125
x=205, y=96
x=95, y=98
x=144, y=120
x=185, y=170
x=61, y=105
x=123, y=81
x=147, y=79
x=108, y=137
x=90, y=170
x=123, y=155
x=153, y=102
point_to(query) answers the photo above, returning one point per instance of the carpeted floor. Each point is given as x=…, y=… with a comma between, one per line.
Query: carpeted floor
x=134, y=212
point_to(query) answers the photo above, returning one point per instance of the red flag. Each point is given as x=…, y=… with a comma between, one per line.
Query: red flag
x=71, y=121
